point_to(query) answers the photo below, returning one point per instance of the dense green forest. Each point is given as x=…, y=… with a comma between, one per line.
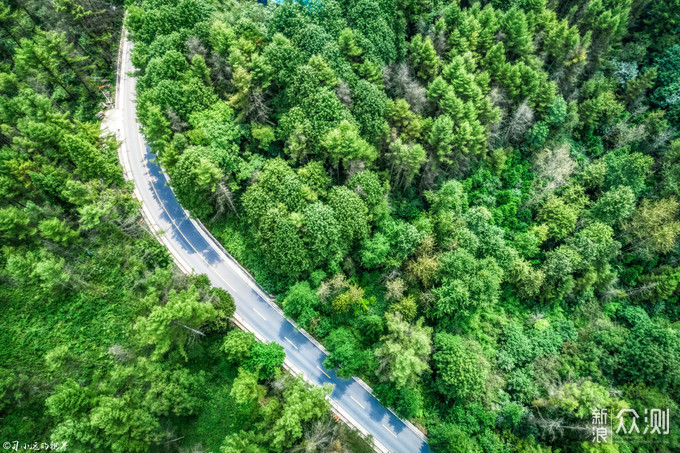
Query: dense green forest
x=474, y=206
x=104, y=344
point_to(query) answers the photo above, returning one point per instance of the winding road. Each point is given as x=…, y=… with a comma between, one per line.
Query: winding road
x=195, y=250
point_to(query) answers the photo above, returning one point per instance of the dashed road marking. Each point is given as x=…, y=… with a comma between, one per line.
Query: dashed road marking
x=293, y=344
x=319, y=368
x=354, y=399
x=391, y=432
x=255, y=310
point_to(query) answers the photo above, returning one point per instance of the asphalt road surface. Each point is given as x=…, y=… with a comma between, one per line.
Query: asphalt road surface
x=194, y=249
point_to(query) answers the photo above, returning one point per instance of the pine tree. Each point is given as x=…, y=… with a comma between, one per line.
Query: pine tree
x=518, y=35
x=442, y=139
x=349, y=47
x=424, y=58
x=637, y=87
x=405, y=162
x=403, y=121
x=372, y=73
x=494, y=61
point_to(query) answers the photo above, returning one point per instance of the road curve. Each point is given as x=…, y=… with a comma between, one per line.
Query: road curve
x=194, y=249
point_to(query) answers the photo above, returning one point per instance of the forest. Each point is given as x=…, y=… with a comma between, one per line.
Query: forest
x=105, y=345
x=474, y=206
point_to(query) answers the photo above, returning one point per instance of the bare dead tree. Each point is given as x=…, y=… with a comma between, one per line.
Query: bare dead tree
x=177, y=124
x=426, y=300
x=390, y=275
x=623, y=133
x=554, y=166
x=195, y=47
x=277, y=386
x=519, y=123
x=223, y=199
x=554, y=427
x=661, y=140
x=131, y=224
x=333, y=286
x=430, y=171
x=343, y=93
x=439, y=40
x=609, y=293
x=400, y=83
x=353, y=167
x=198, y=448
x=194, y=332
x=395, y=289
x=421, y=26
x=641, y=290
x=119, y=353
x=220, y=73
x=258, y=110
x=324, y=291
x=318, y=437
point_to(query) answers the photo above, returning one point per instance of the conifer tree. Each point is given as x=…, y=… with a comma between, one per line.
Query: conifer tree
x=424, y=58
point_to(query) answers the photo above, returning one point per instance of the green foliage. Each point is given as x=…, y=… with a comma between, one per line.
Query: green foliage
x=460, y=371
x=655, y=224
x=448, y=437
x=238, y=345
x=296, y=235
x=56, y=230
x=351, y=214
x=300, y=303
x=300, y=405
x=265, y=359
x=368, y=108
x=372, y=27
x=423, y=58
x=344, y=145
x=14, y=224
x=441, y=137
x=468, y=285
x=651, y=355
x=195, y=177
x=580, y=398
x=627, y=169
x=404, y=351
x=321, y=230
x=496, y=167
x=123, y=354
x=518, y=41
x=559, y=216
x=173, y=323
x=668, y=89
x=245, y=388
x=347, y=355
x=537, y=135
x=615, y=205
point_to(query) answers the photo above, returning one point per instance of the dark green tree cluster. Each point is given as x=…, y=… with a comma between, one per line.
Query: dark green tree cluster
x=474, y=205
x=104, y=344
